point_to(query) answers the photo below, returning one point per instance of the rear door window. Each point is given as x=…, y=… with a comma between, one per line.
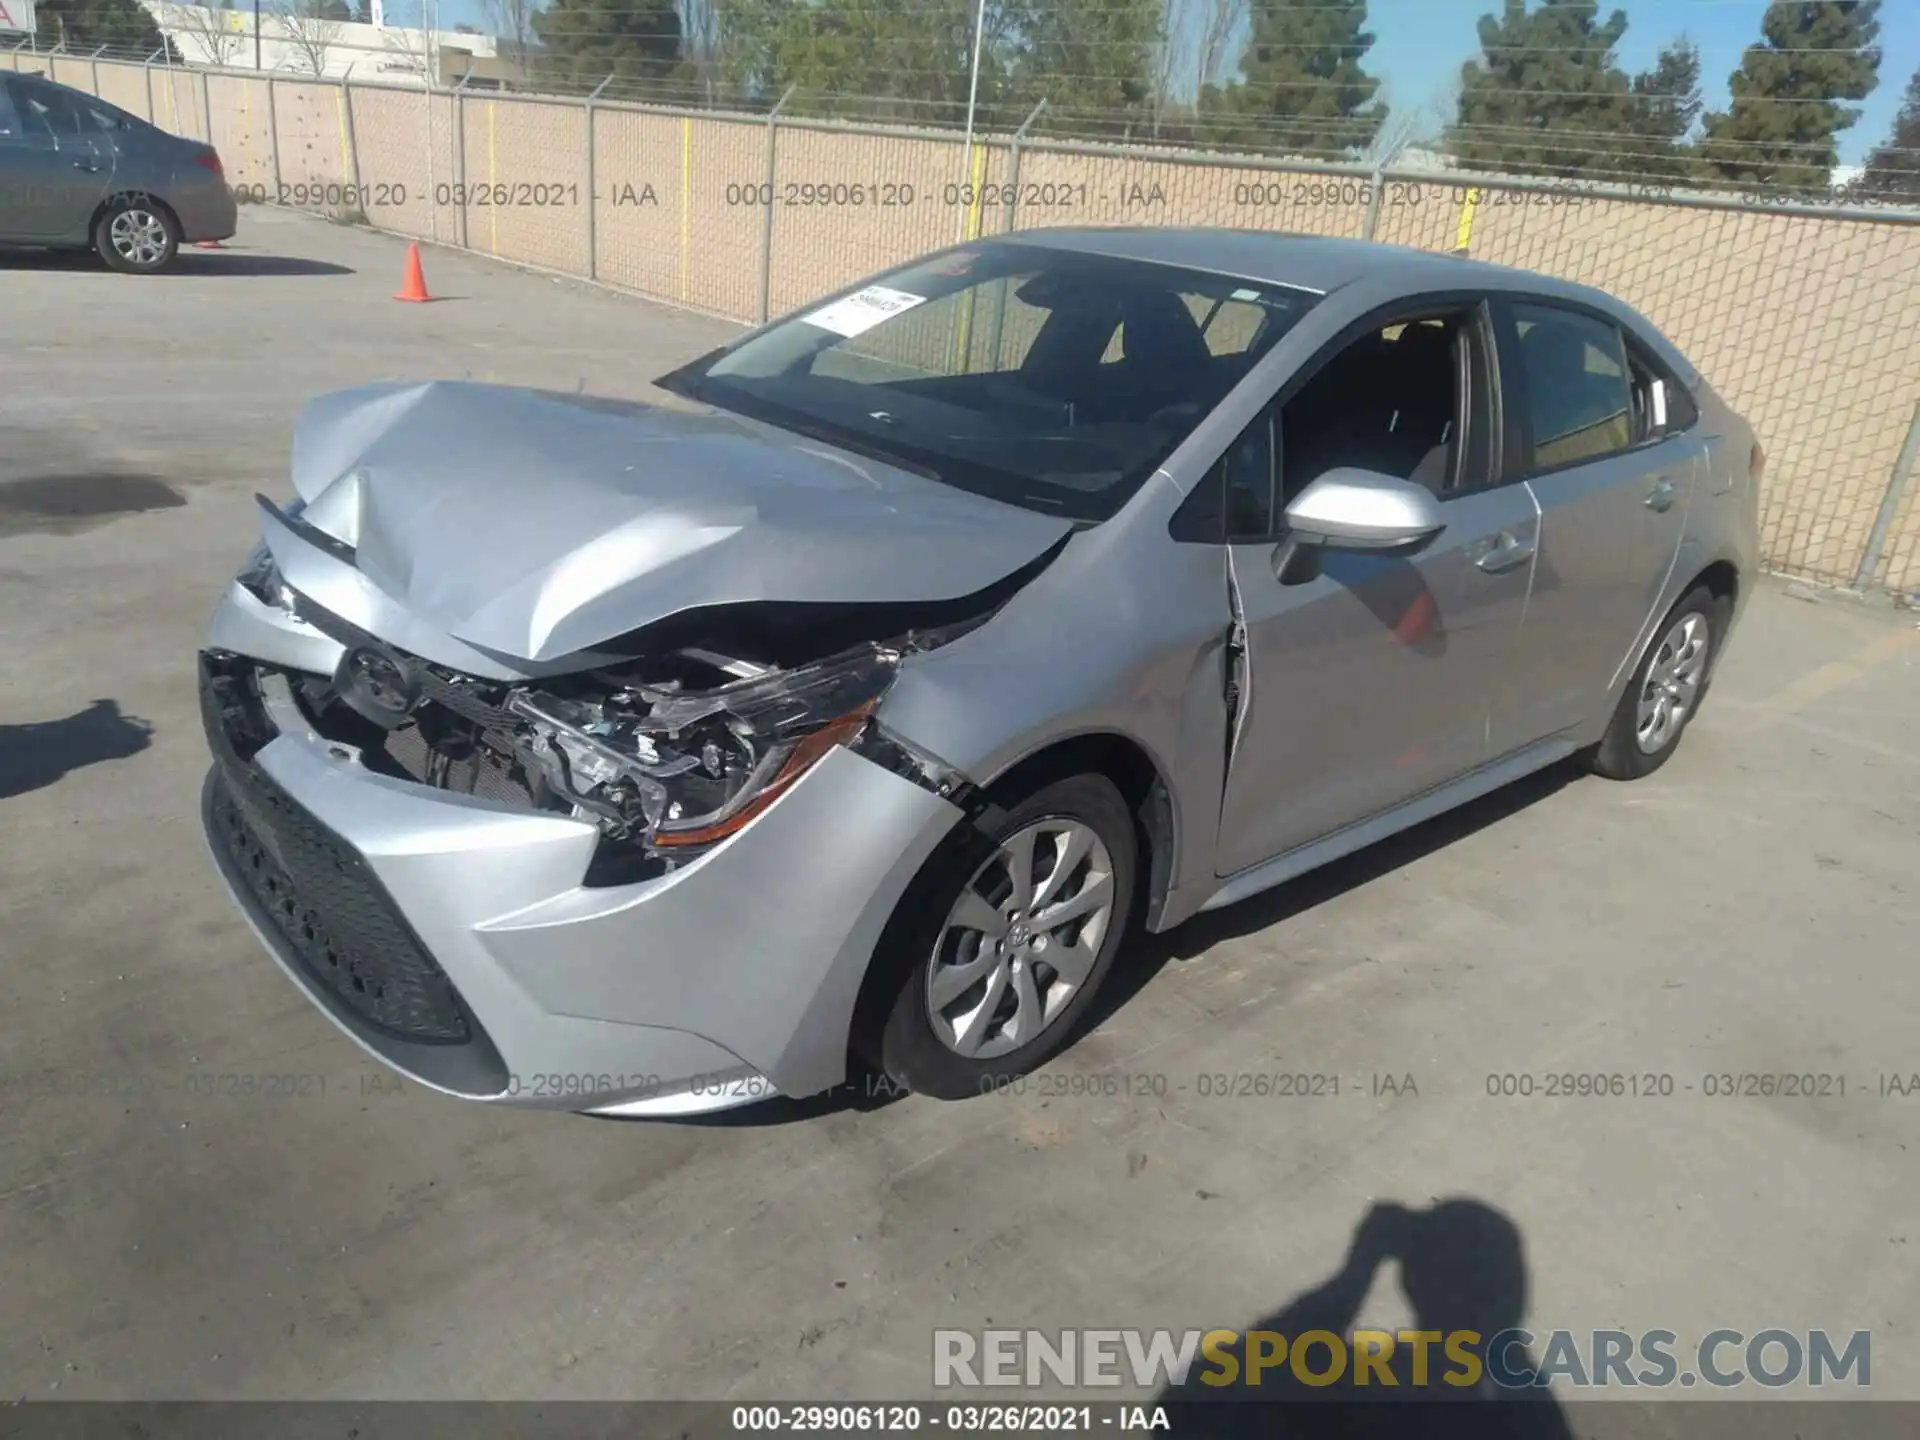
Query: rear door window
x=98, y=115
x=1579, y=403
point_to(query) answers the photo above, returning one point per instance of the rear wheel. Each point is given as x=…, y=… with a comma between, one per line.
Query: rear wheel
x=999, y=953
x=1665, y=692
x=137, y=234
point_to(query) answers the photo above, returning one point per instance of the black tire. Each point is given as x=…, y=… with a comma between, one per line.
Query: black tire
x=900, y=1040
x=149, y=217
x=1620, y=754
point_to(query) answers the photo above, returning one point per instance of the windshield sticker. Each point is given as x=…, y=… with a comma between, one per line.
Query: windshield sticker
x=859, y=313
x=1246, y=295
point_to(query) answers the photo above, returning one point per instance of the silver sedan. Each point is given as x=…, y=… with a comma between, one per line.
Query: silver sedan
x=856, y=706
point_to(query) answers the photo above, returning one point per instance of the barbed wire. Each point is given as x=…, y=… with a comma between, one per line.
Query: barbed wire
x=1611, y=136
x=958, y=73
x=1068, y=43
x=820, y=25
x=1316, y=84
x=1594, y=155
x=695, y=86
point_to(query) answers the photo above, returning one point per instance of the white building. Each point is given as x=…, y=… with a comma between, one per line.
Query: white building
x=302, y=44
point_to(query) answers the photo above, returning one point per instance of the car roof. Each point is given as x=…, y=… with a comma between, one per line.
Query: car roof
x=1320, y=263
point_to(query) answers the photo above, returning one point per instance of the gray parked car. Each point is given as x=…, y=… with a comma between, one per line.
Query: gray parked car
x=648, y=759
x=78, y=173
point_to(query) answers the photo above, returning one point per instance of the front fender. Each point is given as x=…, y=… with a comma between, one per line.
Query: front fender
x=1122, y=636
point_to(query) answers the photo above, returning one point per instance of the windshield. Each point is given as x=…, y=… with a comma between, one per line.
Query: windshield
x=1051, y=379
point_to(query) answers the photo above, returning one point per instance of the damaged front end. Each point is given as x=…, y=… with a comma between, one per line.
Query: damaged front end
x=672, y=757
x=667, y=756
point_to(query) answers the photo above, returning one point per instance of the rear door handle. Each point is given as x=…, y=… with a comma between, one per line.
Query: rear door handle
x=1660, y=497
x=1505, y=553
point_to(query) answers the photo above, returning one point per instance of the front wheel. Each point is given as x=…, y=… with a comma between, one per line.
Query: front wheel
x=1006, y=947
x=137, y=235
x=1665, y=692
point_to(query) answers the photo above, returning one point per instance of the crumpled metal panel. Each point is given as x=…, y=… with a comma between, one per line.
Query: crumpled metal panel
x=535, y=524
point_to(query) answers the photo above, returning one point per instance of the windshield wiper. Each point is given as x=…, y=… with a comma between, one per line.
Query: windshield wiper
x=852, y=440
x=778, y=415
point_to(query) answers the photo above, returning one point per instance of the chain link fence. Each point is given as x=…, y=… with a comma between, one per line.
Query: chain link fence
x=1805, y=317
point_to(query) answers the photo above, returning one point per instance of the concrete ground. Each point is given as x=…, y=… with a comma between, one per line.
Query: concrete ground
x=1749, y=910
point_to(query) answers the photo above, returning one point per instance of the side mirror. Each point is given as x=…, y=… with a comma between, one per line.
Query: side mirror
x=1353, y=509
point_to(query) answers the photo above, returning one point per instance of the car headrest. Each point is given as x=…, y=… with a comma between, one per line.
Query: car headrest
x=1161, y=331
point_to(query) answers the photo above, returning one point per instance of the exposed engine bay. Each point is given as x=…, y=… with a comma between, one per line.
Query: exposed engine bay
x=667, y=756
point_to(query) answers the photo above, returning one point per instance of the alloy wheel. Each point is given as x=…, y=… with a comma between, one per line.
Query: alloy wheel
x=1021, y=939
x=1672, y=685
x=138, y=236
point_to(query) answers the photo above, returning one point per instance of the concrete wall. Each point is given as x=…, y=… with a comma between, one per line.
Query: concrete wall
x=1809, y=324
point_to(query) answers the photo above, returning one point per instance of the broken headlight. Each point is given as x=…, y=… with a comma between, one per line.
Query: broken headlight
x=680, y=769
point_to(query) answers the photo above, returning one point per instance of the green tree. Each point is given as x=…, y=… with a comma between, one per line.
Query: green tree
x=582, y=42
x=1302, y=88
x=900, y=59
x=1093, y=62
x=1893, y=166
x=123, y=24
x=1666, y=102
x=1787, y=96
x=1546, y=95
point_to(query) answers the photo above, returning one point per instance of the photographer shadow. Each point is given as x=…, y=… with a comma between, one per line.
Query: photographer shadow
x=1463, y=1267
x=37, y=754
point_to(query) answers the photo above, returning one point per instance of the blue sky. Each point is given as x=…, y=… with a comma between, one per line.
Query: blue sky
x=1422, y=43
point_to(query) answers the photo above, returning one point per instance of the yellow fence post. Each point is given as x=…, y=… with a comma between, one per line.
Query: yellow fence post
x=686, y=197
x=1463, y=234
x=963, y=337
x=979, y=173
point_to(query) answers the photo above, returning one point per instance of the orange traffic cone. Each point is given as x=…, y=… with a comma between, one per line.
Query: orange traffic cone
x=415, y=286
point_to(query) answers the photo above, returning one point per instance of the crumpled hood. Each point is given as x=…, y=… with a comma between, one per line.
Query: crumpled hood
x=534, y=524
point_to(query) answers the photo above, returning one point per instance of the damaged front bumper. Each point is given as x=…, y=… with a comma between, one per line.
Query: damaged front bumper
x=454, y=936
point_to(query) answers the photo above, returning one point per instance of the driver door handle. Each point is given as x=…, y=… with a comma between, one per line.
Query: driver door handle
x=1660, y=497
x=1504, y=554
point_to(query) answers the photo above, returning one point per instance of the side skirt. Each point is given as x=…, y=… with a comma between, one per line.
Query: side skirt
x=1315, y=853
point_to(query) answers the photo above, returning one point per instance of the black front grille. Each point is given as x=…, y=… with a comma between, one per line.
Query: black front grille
x=318, y=893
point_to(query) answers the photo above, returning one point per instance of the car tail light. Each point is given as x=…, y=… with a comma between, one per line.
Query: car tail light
x=1756, y=463
x=210, y=159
